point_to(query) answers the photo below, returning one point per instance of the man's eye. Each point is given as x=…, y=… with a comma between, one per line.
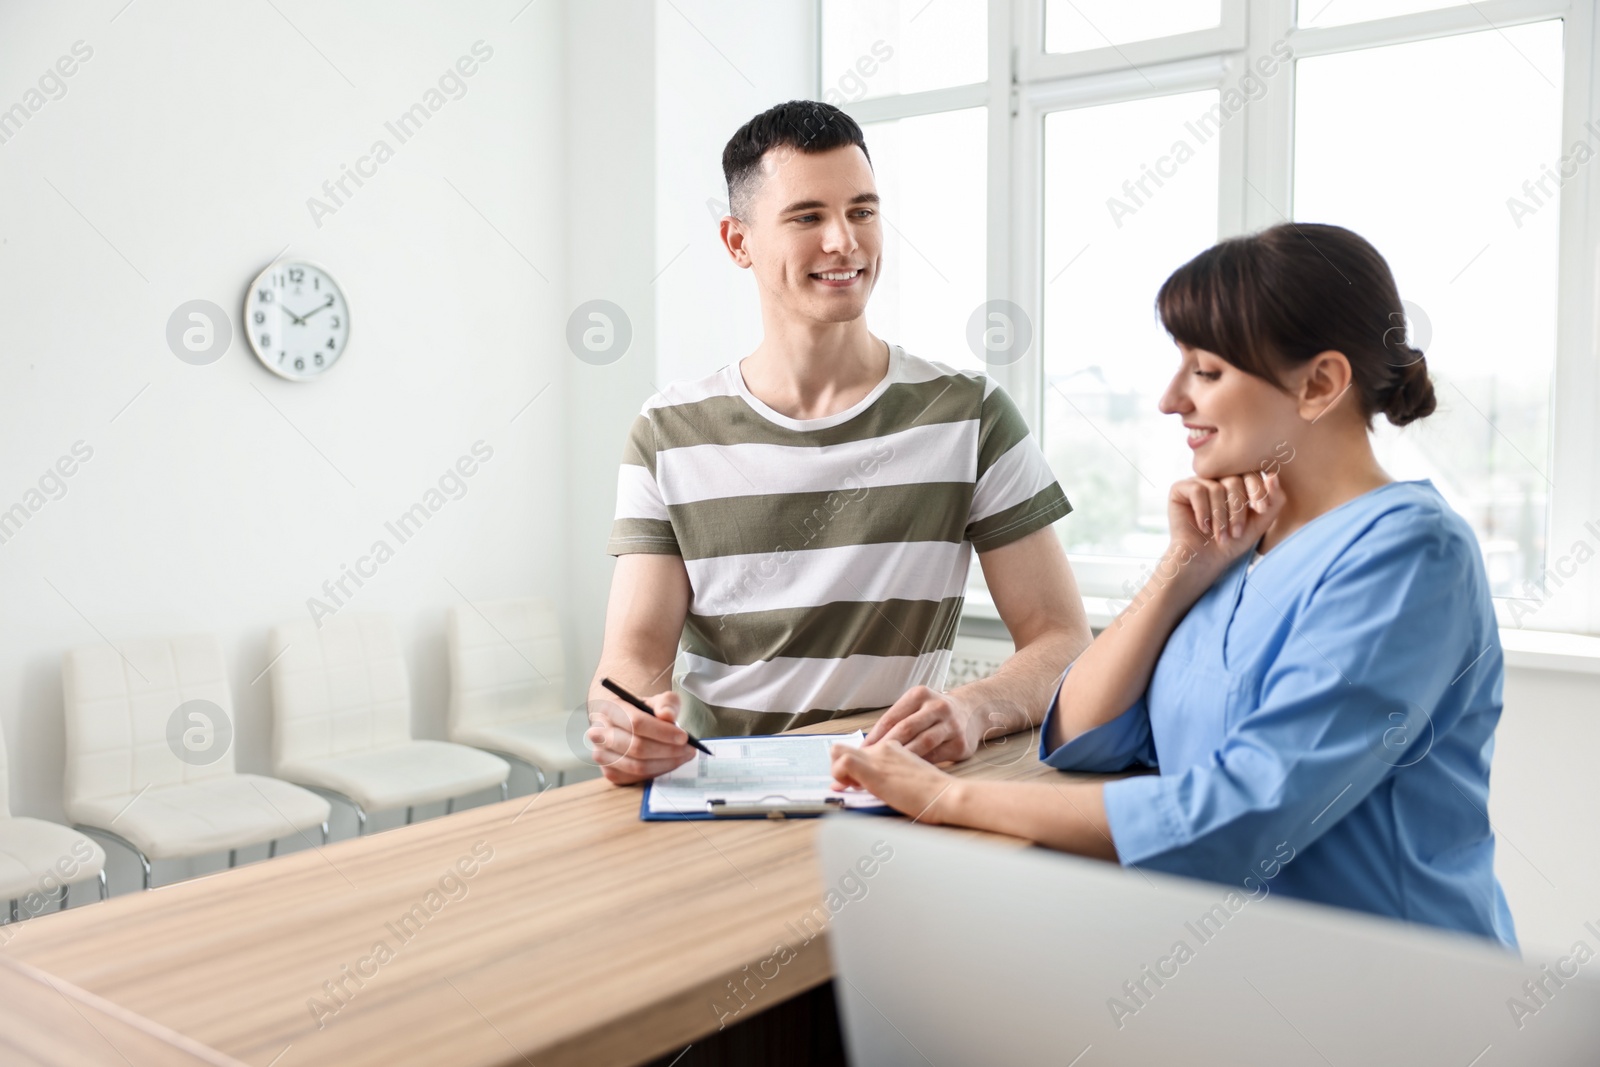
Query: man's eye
x=806, y=218
x=866, y=213
x=1209, y=375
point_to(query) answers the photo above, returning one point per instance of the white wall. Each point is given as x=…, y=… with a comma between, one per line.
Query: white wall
x=719, y=65
x=222, y=497
x=1544, y=799
x=656, y=90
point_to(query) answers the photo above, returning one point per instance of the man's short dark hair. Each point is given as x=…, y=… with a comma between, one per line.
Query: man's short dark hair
x=796, y=126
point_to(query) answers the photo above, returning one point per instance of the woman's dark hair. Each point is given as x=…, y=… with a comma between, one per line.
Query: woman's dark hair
x=1275, y=299
x=799, y=126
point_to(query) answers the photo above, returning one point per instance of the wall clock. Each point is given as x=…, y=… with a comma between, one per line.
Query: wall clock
x=296, y=319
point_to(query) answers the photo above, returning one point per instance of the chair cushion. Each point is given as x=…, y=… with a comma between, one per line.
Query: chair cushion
x=541, y=740
x=169, y=822
x=417, y=772
x=38, y=857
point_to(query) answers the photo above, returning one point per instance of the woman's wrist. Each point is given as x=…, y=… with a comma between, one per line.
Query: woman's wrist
x=1180, y=576
x=954, y=805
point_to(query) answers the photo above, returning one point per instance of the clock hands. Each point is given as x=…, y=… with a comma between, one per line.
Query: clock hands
x=318, y=308
x=300, y=320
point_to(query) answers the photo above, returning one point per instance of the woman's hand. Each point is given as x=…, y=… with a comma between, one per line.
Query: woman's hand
x=1215, y=522
x=897, y=776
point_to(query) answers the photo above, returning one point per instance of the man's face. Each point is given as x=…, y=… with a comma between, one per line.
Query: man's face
x=812, y=235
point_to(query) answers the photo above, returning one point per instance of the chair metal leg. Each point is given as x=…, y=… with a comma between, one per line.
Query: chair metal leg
x=103, y=893
x=561, y=779
x=505, y=789
x=96, y=831
x=16, y=916
x=408, y=814
x=272, y=848
x=334, y=794
x=233, y=857
x=61, y=899
x=449, y=805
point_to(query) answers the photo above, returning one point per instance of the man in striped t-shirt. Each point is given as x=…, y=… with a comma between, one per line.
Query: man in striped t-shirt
x=803, y=520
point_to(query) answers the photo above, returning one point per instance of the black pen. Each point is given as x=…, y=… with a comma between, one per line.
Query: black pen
x=642, y=706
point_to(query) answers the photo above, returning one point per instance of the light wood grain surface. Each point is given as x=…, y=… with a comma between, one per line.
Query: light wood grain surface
x=49, y=1022
x=586, y=936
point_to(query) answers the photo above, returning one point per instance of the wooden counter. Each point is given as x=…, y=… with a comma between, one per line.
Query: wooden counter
x=585, y=937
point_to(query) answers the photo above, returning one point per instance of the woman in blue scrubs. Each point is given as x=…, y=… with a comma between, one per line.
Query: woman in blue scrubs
x=1313, y=668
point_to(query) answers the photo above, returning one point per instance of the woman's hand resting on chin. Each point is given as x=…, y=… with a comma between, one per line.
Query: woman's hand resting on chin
x=1214, y=522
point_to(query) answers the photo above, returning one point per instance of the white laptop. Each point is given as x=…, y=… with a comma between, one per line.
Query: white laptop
x=950, y=951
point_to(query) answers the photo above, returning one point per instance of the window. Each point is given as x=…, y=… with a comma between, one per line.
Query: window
x=933, y=232
x=1120, y=139
x=1083, y=25
x=1488, y=107
x=1113, y=228
x=874, y=48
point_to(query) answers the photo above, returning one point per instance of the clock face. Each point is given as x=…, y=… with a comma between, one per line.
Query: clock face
x=296, y=319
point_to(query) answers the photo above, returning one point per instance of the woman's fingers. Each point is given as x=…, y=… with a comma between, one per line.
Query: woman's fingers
x=1192, y=494
x=1256, y=490
x=1219, y=510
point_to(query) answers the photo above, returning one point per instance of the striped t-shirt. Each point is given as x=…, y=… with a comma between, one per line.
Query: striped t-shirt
x=827, y=557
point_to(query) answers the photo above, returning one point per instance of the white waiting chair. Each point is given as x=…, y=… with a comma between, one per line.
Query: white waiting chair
x=150, y=755
x=506, y=673
x=341, y=710
x=39, y=859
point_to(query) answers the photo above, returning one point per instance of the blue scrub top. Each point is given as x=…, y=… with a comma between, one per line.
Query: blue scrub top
x=1336, y=705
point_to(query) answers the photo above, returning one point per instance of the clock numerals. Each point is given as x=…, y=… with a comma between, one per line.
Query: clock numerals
x=291, y=342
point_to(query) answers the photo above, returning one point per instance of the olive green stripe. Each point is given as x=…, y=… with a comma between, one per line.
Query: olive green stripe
x=737, y=525
x=641, y=447
x=714, y=720
x=642, y=535
x=893, y=627
x=1001, y=430
x=1016, y=522
x=729, y=420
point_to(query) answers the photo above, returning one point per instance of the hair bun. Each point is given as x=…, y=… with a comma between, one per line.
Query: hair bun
x=1412, y=396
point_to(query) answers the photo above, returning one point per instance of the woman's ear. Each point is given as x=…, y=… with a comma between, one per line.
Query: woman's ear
x=1324, y=381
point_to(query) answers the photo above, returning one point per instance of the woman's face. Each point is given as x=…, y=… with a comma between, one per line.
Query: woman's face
x=1235, y=421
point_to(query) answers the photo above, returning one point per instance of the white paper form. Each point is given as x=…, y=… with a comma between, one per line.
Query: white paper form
x=793, y=768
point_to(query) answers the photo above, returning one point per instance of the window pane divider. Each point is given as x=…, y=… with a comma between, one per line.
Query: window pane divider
x=1424, y=25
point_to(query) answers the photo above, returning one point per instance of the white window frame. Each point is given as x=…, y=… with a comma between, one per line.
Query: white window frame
x=1256, y=190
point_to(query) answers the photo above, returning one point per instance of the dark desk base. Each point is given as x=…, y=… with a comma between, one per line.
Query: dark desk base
x=802, y=1032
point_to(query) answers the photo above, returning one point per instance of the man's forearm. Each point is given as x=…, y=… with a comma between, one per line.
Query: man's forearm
x=635, y=672
x=1015, y=697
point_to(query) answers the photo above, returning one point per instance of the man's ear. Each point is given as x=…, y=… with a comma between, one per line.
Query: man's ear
x=734, y=239
x=1324, y=382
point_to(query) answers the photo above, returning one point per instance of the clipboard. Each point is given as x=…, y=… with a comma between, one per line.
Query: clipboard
x=773, y=806
x=761, y=780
